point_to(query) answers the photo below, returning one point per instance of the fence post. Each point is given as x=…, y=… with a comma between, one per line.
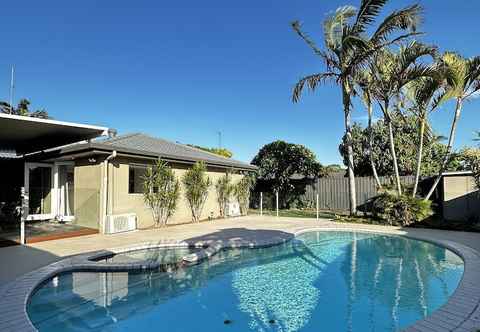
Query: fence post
x=23, y=215
x=261, y=203
x=276, y=200
x=317, y=208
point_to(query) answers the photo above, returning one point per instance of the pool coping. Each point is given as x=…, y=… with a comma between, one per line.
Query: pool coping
x=461, y=312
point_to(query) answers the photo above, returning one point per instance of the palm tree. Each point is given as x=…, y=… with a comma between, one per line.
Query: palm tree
x=23, y=109
x=391, y=72
x=425, y=95
x=463, y=79
x=347, y=49
x=364, y=81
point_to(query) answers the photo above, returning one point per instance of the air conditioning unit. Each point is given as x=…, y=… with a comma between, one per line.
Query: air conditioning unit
x=233, y=209
x=119, y=223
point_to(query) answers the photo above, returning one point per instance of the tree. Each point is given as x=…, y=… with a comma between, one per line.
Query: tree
x=224, y=190
x=23, y=110
x=406, y=140
x=365, y=82
x=242, y=191
x=424, y=94
x=279, y=161
x=161, y=191
x=463, y=79
x=219, y=151
x=332, y=168
x=347, y=49
x=470, y=158
x=390, y=73
x=196, y=183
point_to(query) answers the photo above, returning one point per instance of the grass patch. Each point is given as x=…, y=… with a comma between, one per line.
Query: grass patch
x=359, y=220
x=295, y=213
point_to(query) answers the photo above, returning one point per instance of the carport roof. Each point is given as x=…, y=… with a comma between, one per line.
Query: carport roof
x=24, y=134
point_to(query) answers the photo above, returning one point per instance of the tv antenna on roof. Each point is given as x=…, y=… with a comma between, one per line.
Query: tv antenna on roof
x=12, y=86
x=219, y=139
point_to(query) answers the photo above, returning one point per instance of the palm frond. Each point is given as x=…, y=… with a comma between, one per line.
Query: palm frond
x=330, y=62
x=409, y=54
x=405, y=19
x=333, y=26
x=473, y=76
x=312, y=81
x=368, y=11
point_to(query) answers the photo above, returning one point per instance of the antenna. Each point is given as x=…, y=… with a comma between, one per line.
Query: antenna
x=12, y=86
x=219, y=139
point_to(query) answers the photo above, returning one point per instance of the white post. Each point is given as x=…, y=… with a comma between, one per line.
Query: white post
x=23, y=216
x=261, y=203
x=276, y=200
x=317, y=208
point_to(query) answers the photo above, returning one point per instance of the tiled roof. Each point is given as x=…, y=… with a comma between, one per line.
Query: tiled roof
x=164, y=148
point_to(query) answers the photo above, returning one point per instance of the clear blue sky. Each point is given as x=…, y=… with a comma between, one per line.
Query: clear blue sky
x=183, y=70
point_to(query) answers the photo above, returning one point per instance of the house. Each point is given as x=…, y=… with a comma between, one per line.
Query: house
x=87, y=183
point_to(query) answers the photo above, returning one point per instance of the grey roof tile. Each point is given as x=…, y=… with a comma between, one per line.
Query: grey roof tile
x=161, y=147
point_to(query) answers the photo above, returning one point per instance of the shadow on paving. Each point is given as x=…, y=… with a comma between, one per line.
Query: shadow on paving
x=237, y=234
x=17, y=260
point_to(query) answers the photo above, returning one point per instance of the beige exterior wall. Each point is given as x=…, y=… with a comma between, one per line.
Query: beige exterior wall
x=123, y=202
x=87, y=185
x=461, y=200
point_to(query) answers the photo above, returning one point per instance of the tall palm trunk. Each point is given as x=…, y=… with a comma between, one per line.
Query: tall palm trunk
x=419, y=154
x=394, y=157
x=458, y=109
x=392, y=149
x=348, y=133
x=370, y=144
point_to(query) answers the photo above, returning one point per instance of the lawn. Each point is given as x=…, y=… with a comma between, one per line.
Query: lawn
x=295, y=213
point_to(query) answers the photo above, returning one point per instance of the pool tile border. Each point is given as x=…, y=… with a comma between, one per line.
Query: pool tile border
x=461, y=313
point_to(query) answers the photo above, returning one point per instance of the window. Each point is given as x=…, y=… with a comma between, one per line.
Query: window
x=135, y=179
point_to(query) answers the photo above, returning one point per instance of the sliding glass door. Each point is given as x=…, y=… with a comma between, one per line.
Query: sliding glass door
x=65, y=186
x=39, y=185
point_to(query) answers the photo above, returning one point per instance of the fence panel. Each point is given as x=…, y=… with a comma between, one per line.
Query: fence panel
x=333, y=192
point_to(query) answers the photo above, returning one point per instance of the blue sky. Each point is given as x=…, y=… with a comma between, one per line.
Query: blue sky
x=183, y=70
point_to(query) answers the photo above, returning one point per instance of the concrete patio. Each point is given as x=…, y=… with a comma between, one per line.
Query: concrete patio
x=23, y=269
x=23, y=259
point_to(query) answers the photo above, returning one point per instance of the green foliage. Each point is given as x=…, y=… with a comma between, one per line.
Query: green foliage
x=470, y=158
x=401, y=210
x=161, y=191
x=224, y=190
x=242, y=192
x=406, y=144
x=220, y=151
x=23, y=108
x=196, y=183
x=279, y=161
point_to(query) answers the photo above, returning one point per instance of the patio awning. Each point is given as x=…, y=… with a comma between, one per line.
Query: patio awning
x=24, y=134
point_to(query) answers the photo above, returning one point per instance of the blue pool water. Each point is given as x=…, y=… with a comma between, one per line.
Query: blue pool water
x=321, y=281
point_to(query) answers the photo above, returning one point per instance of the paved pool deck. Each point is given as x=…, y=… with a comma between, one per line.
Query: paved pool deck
x=461, y=313
x=24, y=259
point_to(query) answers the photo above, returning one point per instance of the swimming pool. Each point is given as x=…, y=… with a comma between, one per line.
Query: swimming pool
x=329, y=281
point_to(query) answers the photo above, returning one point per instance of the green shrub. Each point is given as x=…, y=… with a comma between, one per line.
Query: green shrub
x=196, y=183
x=242, y=191
x=400, y=210
x=161, y=190
x=224, y=190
